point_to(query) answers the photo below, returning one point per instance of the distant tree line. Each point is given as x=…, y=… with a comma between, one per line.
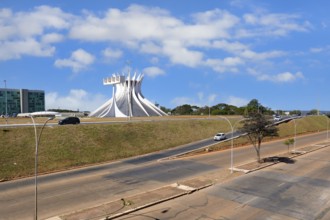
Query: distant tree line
x=253, y=106
x=221, y=109
x=63, y=110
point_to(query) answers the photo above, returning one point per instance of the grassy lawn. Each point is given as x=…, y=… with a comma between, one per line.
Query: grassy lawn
x=310, y=124
x=63, y=147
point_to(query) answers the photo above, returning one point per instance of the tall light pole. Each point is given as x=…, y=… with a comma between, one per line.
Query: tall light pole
x=5, y=81
x=232, y=141
x=295, y=134
x=37, y=140
x=327, y=126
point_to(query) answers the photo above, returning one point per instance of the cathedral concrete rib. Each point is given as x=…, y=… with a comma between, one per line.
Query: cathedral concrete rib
x=127, y=99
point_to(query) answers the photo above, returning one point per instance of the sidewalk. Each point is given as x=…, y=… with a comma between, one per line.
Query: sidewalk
x=123, y=206
x=285, y=157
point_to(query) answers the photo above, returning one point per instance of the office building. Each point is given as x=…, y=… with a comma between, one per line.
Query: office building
x=14, y=101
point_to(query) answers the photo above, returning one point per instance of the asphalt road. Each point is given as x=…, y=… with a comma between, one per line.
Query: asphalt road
x=284, y=191
x=82, y=188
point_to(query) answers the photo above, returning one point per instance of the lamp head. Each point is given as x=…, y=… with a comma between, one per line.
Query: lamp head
x=51, y=117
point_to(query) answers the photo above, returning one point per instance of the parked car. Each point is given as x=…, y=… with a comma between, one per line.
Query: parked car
x=69, y=120
x=219, y=137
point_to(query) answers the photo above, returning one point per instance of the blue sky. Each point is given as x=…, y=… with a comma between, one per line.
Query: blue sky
x=191, y=52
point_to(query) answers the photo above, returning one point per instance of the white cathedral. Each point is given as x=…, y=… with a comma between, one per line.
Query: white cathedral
x=127, y=99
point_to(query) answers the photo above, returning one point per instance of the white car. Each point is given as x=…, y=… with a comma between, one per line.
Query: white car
x=219, y=137
x=277, y=118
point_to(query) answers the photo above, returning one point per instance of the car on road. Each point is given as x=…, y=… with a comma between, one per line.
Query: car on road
x=69, y=120
x=277, y=118
x=219, y=137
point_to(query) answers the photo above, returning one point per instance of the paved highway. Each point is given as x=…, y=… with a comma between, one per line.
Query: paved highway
x=298, y=191
x=82, y=188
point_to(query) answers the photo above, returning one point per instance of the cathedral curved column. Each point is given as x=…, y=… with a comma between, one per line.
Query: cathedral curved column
x=127, y=99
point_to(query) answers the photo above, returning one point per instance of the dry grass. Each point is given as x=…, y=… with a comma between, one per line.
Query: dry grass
x=63, y=147
x=304, y=125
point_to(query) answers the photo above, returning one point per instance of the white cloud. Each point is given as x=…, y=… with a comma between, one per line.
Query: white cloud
x=78, y=61
x=150, y=47
x=211, y=24
x=154, y=60
x=14, y=50
x=271, y=24
x=200, y=95
x=148, y=30
x=232, y=47
x=287, y=77
x=109, y=53
x=261, y=56
x=228, y=64
x=278, y=78
x=178, y=54
x=243, y=51
x=135, y=23
x=201, y=100
x=211, y=98
x=153, y=71
x=52, y=38
x=320, y=49
x=153, y=30
x=76, y=99
x=31, y=33
x=33, y=23
x=316, y=50
x=237, y=101
x=182, y=101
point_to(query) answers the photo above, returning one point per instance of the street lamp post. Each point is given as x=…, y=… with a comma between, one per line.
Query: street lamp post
x=327, y=126
x=295, y=134
x=5, y=81
x=37, y=140
x=232, y=142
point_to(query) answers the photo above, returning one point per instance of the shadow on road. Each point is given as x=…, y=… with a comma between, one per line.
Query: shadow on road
x=279, y=159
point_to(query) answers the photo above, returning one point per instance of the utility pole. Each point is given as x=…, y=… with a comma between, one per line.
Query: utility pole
x=6, y=97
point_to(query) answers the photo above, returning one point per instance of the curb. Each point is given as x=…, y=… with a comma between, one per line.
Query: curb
x=143, y=206
x=295, y=153
x=126, y=206
x=188, y=189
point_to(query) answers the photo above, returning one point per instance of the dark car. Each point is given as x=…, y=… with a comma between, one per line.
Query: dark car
x=69, y=120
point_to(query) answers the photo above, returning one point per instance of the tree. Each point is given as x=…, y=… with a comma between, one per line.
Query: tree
x=254, y=107
x=257, y=126
x=201, y=110
x=182, y=110
x=224, y=109
x=295, y=112
x=289, y=142
x=164, y=109
x=313, y=112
